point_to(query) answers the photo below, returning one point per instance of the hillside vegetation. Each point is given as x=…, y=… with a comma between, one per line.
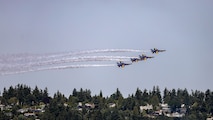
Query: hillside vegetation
x=24, y=103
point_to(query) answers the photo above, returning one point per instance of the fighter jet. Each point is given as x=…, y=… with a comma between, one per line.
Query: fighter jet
x=121, y=64
x=155, y=50
x=144, y=57
x=135, y=59
x=140, y=58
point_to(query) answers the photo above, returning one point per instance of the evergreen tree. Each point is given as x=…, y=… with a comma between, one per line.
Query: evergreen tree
x=5, y=96
x=3, y=116
x=158, y=94
x=101, y=94
x=186, y=99
x=145, y=97
x=37, y=94
x=45, y=96
x=138, y=94
x=11, y=92
x=166, y=95
x=74, y=93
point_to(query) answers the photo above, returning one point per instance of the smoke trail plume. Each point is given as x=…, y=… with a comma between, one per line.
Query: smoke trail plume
x=35, y=57
x=56, y=68
x=68, y=60
x=18, y=63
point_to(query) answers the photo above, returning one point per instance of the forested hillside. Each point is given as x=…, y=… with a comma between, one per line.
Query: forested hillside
x=22, y=102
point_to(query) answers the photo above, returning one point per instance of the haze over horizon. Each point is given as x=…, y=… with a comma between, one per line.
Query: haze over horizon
x=183, y=28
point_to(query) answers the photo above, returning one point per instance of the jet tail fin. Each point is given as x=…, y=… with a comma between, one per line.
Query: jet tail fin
x=152, y=51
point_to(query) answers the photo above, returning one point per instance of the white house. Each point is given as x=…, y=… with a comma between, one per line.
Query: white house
x=2, y=107
x=147, y=107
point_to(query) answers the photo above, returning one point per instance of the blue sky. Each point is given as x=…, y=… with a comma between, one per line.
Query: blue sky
x=183, y=28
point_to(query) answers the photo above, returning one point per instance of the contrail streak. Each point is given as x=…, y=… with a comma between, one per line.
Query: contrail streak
x=82, y=59
x=106, y=50
x=35, y=57
x=98, y=51
x=57, y=68
x=27, y=66
x=69, y=60
x=18, y=63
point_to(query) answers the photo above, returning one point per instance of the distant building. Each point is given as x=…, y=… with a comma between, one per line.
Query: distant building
x=157, y=113
x=180, y=112
x=147, y=107
x=183, y=109
x=112, y=105
x=90, y=106
x=80, y=106
x=165, y=108
x=176, y=114
x=65, y=105
x=29, y=114
x=2, y=107
x=22, y=110
x=211, y=118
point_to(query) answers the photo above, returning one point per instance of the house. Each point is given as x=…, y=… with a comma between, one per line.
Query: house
x=112, y=105
x=90, y=106
x=147, y=107
x=157, y=113
x=80, y=106
x=183, y=109
x=2, y=107
x=165, y=108
x=22, y=110
x=176, y=114
x=210, y=118
x=65, y=105
x=29, y=114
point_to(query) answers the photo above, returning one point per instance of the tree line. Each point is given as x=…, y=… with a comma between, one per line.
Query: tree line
x=198, y=104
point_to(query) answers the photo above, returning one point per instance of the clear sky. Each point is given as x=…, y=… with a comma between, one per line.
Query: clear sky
x=183, y=28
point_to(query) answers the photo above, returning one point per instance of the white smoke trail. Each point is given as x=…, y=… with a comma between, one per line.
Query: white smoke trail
x=56, y=68
x=35, y=57
x=19, y=67
x=98, y=51
x=17, y=63
x=69, y=60
x=106, y=51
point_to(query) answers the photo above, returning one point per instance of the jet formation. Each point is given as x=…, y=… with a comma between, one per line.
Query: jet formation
x=142, y=57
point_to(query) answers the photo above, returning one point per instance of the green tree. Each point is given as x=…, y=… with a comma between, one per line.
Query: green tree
x=101, y=94
x=138, y=96
x=12, y=100
x=74, y=93
x=72, y=101
x=97, y=115
x=3, y=116
x=117, y=98
x=11, y=92
x=155, y=101
x=116, y=95
x=158, y=94
x=45, y=96
x=37, y=95
x=145, y=97
x=166, y=95
x=99, y=102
